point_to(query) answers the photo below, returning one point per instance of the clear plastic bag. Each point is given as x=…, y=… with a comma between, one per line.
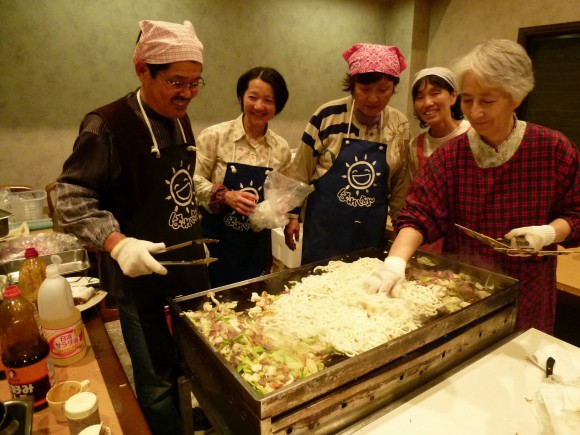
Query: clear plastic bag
x=5, y=203
x=281, y=194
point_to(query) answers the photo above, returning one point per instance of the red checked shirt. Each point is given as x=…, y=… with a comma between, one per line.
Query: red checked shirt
x=539, y=183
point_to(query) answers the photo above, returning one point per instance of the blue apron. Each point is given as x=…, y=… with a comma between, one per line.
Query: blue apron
x=242, y=253
x=348, y=209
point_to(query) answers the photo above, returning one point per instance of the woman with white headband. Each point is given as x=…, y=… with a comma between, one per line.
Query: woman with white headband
x=438, y=107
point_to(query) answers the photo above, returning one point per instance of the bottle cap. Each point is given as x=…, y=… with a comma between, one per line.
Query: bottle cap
x=11, y=292
x=81, y=405
x=56, y=259
x=53, y=270
x=30, y=252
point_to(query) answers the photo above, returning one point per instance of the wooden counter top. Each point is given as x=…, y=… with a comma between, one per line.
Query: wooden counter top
x=118, y=405
x=568, y=273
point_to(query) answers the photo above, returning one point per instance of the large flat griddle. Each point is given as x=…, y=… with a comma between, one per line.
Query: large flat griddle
x=350, y=388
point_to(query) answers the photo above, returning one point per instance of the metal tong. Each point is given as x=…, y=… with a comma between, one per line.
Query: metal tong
x=521, y=249
x=197, y=262
x=188, y=243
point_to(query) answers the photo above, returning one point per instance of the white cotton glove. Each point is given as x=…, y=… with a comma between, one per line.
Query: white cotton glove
x=134, y=257
x=537, y=236
x=387, y=278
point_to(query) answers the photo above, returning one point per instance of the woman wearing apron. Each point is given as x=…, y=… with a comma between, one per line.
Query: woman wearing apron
x=503, y=178
x=233, y=160
x=437, y=106
x=353, y=152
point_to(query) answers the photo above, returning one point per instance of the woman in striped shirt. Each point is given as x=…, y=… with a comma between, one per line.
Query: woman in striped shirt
x=353, y=151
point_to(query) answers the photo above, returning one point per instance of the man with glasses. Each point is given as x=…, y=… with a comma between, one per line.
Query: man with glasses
x=127, y=190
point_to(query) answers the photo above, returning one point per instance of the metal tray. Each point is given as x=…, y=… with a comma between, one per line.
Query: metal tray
x=352, y=388
x=74, y=261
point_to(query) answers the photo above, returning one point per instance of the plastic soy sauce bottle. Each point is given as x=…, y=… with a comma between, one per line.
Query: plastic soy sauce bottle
x=31, y=273
x=60, y=319
x=25, y=353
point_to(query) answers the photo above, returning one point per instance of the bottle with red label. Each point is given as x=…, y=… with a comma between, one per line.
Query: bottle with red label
x=60, y=319
x=25, y=353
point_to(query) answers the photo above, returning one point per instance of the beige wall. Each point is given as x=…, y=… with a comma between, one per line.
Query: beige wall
x=62, y=58
x=58, y=62
x=455, y=26
x=458, y=25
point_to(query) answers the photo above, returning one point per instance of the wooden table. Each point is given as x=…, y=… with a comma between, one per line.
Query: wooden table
x=118, y=405
x=568, y=273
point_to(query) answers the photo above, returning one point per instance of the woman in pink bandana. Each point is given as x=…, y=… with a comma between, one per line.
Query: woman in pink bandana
x=353, y=152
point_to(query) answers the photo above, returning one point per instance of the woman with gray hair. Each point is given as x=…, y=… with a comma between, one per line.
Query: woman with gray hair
x=503, y=178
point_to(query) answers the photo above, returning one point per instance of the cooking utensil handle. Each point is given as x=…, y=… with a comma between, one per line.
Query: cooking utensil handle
x=189, y=243
x=199, y=262
x=179, y=245
x=550, y=366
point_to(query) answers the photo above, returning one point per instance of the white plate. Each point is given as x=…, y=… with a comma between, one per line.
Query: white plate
x=97, y=297
x=86, y=281
x=83, y=281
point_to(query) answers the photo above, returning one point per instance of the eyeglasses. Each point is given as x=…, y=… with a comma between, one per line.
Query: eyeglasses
x=180, y=86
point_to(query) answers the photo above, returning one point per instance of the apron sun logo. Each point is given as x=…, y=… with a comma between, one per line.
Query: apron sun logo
x=251, y=189
x=239, y=222
x=181, y=194
x=180, y=188
x=361, y=175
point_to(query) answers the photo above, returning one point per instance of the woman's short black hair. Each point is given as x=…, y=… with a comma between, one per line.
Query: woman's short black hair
x=270, y=76
x=456, y=112
x=365, y=79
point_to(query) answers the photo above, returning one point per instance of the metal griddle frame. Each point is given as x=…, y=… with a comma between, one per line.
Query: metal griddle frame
x=351, y=389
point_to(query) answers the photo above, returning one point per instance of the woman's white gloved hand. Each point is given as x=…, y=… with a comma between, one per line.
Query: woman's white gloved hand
x=387, y=278
x=134, y=257
x=537, y=236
